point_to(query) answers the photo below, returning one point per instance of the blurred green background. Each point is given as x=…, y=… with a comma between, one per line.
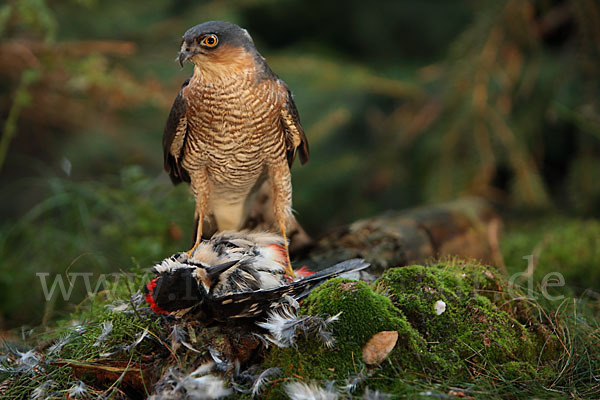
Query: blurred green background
x=405, y=102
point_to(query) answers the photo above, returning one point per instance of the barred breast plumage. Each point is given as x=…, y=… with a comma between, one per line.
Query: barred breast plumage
x=234, y=132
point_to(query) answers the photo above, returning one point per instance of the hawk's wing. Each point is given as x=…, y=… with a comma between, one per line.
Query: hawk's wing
x=294, y=134
x=174, y=138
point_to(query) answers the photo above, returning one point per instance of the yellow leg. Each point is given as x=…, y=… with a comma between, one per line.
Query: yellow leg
x=200, y=189
x=198, y=236
x=288, y=269
x=281, y=186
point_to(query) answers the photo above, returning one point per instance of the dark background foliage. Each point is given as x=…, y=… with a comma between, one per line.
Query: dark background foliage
x=404, y=102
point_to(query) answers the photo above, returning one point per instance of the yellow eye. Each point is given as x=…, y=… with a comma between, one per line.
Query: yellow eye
x=210, y=41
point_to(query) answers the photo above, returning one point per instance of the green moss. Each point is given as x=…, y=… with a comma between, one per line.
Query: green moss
x=474, y=336
x=518, y=371
x=125, y=329
x=364, y=313
x=75, y=360
x=471, y=327
x=568, y=247
x=80, y=358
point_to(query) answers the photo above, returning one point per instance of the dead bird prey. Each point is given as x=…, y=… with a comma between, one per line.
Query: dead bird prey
x=233, y=275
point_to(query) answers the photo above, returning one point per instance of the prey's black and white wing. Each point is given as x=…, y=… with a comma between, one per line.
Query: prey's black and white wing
x=254, y=303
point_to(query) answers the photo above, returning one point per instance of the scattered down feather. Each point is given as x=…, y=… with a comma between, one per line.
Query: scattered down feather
x=78, y=391
x=303, y=391
x=179, y=337
x=107, y=327
x=375, y=395
x=177, y=386
x=353, y=381
x=284, y=326
x=27, y=361
x=59, y=344
x=42, y=391
x=262, y=379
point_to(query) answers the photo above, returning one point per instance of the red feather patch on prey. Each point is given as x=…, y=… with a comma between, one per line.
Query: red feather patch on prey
x=150, y=286
x=303, y=272
x=281, y=251
x=300, y=273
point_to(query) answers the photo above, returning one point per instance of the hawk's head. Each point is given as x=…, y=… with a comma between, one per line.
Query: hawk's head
x=217, y=43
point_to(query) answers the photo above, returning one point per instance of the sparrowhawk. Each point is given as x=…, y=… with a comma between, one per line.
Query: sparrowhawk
x=233, y=127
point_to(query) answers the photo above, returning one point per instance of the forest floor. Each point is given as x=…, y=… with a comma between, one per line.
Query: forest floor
x=462, y=329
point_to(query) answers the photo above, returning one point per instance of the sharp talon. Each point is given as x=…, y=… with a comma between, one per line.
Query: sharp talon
x=191, y=251
x=198, y=234
x=288, y=269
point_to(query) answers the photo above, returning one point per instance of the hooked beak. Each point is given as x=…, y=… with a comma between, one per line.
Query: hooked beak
x=183, y=57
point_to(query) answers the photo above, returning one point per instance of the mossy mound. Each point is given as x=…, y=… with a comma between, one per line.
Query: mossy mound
x=473, y=336
x=364, y=313
x=472, y=327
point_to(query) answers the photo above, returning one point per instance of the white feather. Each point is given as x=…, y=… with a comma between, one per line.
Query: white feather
x=284, y=326
x=78, y=390
x=27, y=361
x=169, y=265
x=140, y=336
x=174, y=385
x=59, y=344
x=263, y=379
x=375, y=395
x=268, y=280
x=204, y=369
x=206, y=387
x=107, y=327
x=41, y=392
x=303, y=391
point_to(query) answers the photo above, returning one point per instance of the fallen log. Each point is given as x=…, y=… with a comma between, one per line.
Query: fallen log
x=466, y=228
